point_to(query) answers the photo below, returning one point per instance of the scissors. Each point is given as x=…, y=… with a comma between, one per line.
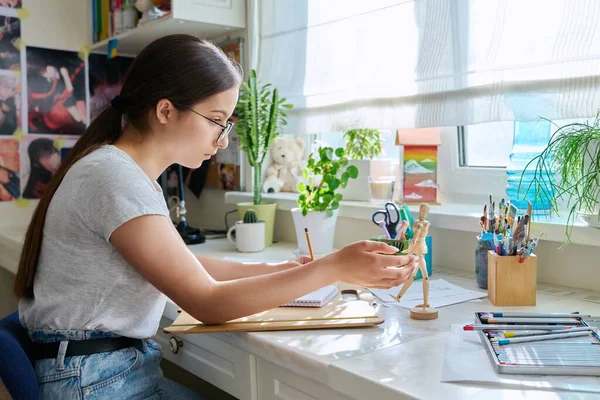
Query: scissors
x=390, y=216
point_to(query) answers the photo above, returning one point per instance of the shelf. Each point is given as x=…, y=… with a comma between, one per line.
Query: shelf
x=134, y=40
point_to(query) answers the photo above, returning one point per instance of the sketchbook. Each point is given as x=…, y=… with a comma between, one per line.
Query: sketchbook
x=318, y=298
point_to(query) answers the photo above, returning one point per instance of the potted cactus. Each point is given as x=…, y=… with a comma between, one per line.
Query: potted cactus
x=249, y=233
x=261, y=114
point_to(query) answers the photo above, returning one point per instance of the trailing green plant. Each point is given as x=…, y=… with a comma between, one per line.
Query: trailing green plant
x=362, y=144
x=250, y=217
x=261, y=115
x=325, y=173
x=569, y=169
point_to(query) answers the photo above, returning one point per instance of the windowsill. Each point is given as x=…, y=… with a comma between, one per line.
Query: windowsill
x=452, y=216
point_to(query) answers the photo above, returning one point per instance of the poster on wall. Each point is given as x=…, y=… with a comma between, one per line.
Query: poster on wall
x=10, y=33
x=10, y=179
x=40, y=159
x=11, y=3
x=106, y=78
x=56, y=92
x=10, y=103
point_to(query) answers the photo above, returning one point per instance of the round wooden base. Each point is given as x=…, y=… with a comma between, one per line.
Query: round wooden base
x=424, y=314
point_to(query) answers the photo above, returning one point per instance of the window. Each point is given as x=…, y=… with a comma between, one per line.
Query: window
x=336, y=139
x=485, y=145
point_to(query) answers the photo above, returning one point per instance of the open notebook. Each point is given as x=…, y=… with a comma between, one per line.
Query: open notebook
x=318, y=298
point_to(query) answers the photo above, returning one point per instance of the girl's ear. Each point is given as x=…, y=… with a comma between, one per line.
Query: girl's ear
x=164, y=111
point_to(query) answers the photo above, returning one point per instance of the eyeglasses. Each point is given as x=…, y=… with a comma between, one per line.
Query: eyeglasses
x=226, y=128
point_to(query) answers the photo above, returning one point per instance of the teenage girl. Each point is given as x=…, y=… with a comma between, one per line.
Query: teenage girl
x=101, y=252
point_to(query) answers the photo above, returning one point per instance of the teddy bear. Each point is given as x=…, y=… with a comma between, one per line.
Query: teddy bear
x=286, y=165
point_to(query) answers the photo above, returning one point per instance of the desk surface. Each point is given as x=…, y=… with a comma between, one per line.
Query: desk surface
x=401, y=357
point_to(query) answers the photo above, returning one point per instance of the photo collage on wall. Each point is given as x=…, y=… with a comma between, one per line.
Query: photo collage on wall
x=10, y=102
x=47, y=99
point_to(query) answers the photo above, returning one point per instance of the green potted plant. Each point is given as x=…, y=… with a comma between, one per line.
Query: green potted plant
x=568, y=172
x=261, y=114
x=319, y=198
x=362, y=146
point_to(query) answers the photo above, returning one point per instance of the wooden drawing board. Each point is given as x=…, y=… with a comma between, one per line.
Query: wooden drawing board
x=339, y=313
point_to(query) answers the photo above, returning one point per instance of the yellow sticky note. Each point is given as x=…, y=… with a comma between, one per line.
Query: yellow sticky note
x=19, y=134
x=23, y=13
x=21, y=202
x=84, y=52
x=19, y=44
x=59, y=142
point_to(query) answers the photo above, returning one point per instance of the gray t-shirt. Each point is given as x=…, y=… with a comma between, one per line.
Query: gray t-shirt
x=82, y=282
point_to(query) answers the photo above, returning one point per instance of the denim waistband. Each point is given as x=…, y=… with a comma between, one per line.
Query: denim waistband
x=56, y=335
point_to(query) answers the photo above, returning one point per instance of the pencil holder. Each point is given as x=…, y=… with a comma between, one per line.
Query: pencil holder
x=510, y=282
x=484, y=244
x=403, y=245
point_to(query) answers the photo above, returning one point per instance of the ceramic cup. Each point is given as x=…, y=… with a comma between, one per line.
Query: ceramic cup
x=249, y=238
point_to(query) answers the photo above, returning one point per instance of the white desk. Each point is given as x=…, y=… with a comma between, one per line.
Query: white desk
x=400, y=358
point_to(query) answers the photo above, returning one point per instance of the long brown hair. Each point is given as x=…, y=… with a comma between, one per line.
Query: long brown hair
x=181, y=68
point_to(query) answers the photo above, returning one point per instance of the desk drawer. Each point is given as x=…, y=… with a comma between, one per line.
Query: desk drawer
x=276, y=383
x=225, y=366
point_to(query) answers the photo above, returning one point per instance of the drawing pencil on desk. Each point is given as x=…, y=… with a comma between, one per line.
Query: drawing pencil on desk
x=537, y=315
x=494, y=327
x=566, y=335
x=509, y=334
x=517, y=320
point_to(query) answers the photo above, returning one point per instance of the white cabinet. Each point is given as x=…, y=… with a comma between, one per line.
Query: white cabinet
x=224, y=366
x=229, y=13
x=276, y=383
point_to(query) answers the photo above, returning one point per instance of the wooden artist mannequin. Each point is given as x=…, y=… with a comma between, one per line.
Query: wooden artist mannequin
x=419, y=248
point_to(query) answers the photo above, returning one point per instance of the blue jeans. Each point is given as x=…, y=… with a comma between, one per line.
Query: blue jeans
x=131, y=373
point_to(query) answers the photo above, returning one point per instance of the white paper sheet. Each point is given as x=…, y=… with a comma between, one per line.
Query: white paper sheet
x=441, y=294
x=467, y=361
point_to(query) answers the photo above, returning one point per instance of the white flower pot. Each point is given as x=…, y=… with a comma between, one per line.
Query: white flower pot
x=321, y=229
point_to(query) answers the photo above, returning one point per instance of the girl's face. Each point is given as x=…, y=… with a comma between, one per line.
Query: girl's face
x=192, y=138
x=50, y=162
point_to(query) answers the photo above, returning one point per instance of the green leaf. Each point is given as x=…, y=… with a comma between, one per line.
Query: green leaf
x=304, y=212
x=343, y=161
x=352, y=171
x=335, y=205
x=334, y=184
x=345, y=177
x=328, y=154
x=301, y=187
x=327, y=199
x=339, y=197
x=330, y=213
x=339, y=152
x=288, y=106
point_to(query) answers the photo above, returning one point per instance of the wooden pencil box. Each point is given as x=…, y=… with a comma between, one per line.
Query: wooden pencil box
x=511, y=283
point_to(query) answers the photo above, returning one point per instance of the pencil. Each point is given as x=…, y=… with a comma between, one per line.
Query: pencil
x=310, y=249
x=523, y=339
x=490, y=327
x=524, y=320
x=537, y=315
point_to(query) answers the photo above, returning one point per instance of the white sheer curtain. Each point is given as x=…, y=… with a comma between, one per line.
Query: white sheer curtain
x=419, y=63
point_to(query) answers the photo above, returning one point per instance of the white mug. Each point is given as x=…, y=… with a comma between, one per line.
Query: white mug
x=249, y=238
